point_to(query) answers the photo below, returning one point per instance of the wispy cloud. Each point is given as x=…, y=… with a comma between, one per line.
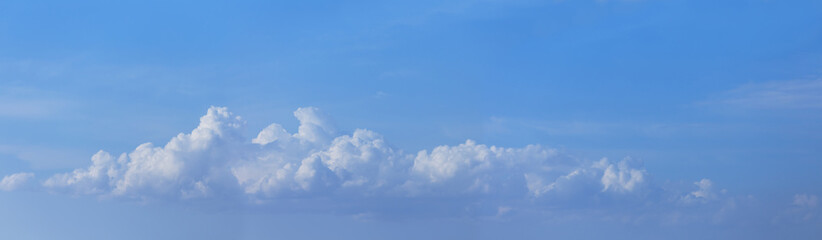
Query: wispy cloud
x=805, y=200
x=803, y=208
x=797, y=94
x=29, y=108
x=16, y=181
x=19, y=102
x=41, y=157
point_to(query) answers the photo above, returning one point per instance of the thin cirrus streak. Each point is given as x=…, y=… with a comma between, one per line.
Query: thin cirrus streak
x=215, y=161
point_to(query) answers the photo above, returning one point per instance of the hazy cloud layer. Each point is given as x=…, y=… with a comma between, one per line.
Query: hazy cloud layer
x=215, y=161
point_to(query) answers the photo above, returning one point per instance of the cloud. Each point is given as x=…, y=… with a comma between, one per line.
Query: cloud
x=29, y=108
x=15, y=181
x=620, y=178
x=805, y=200
x=799, y=94
x=360, y=169
x=28, y=103
x=41, y=157
x=381, y=95
x=803, y=209
x=703, y=193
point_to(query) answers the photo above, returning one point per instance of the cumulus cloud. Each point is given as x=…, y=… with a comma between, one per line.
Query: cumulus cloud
x=216, y=161
x=620, y=177
x=15, y=181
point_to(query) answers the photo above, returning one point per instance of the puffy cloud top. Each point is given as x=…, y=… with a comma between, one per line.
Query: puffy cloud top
x=215, y=160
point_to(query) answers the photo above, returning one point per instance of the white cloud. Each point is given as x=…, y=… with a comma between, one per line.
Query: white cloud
x=215, y=161
x=184, y=165
x=97, y=178
x=15, y=181
x=704, y=192
x=620, y=177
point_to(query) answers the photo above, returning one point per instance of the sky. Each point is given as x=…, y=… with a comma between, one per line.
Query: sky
x=618, y=119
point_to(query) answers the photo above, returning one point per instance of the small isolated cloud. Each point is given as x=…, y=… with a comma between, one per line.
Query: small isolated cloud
x=359, y=170
x=703, y=193
x=620, y=177
x=16, y=181
x=381, y=95
x=805, y=200
x=805, y=206
x=799, y=94
x=803, y=209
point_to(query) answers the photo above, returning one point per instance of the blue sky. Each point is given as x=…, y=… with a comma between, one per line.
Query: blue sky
x=419, y=119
